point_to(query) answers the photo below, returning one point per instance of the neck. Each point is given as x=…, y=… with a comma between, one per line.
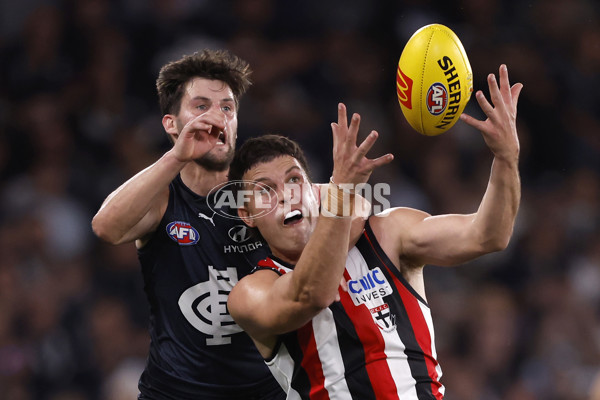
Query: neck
x=201, y=180
x=288, y=257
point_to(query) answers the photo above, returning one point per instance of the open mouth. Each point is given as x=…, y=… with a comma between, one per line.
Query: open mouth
x=221, y=138
x=293, y=217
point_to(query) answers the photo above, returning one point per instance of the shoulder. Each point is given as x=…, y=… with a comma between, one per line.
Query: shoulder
x=394, y=230
x=397, y=219
x=251, y=290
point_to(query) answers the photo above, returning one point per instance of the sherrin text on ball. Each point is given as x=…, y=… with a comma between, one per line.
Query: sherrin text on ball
x=434, y=80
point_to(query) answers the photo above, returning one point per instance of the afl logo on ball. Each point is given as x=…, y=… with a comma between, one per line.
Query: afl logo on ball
x=437, y=99
x=183, y=233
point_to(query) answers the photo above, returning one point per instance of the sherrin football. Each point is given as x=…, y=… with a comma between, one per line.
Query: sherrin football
x=434, y=80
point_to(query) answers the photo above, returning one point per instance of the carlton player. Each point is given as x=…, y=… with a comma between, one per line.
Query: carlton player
x=192, y=252
x=377, y=341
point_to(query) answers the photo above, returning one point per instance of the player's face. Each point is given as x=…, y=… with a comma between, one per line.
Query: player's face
x=285, y=187
x=214, y=99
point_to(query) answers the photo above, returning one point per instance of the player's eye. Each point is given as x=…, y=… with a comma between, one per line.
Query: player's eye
x=263, y=189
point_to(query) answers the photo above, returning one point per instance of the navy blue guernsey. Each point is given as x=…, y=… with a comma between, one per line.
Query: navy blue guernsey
x=189, y=266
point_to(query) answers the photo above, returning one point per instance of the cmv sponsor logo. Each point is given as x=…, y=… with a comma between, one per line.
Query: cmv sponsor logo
x=370, y=288
x=183, y=233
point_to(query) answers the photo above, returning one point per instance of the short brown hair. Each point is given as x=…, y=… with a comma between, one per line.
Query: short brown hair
x=263, y=149
x=210, y=64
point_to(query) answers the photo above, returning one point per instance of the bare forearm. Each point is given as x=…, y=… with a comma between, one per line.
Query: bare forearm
x=124, y=208
x=496, y=215
x=319, y=270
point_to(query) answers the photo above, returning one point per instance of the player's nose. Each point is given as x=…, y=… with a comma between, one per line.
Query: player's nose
x=217, y=115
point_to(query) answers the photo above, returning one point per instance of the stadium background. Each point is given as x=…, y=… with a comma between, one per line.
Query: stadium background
x=79, y=115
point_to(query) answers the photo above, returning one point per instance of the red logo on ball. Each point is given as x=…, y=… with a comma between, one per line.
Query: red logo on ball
x=437, y=99
x=404, y=89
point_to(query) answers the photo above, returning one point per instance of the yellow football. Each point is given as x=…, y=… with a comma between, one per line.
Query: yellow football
x=434, y=80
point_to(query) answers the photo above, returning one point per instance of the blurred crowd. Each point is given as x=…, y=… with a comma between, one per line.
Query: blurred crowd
x=79, y=115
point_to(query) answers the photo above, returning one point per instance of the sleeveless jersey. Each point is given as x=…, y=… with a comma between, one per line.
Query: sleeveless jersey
x=377, y=342
x=190, y=265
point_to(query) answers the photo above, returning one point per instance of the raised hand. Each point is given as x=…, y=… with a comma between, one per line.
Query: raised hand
x=499, y=129
x=200, y=135
x=350, y=164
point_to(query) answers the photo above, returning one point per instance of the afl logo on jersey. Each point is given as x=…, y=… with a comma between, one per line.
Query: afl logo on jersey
x=183, y=233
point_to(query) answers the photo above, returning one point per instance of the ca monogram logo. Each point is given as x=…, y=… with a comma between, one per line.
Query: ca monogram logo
x=205, y=306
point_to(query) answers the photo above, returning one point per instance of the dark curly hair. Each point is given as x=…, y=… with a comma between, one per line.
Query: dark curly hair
x=210, y=64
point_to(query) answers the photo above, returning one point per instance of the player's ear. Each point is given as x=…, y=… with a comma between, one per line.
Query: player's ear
x=170, y=125
x=245, y=216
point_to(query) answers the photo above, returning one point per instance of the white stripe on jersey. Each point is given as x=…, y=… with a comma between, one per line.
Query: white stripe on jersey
x=282, y=368
x=328, y=347
x=399, y=367
x=397, y=361
x=427, y=315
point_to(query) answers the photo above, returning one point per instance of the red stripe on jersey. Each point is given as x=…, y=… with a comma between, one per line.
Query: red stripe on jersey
x=376, y=364
x=270, y=264
x=417, y=321
x=312, y=363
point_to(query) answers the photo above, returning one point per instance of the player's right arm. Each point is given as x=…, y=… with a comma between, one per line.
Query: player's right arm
x=135, y=209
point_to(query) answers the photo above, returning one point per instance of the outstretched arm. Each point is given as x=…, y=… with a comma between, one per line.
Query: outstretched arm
x=454, y=239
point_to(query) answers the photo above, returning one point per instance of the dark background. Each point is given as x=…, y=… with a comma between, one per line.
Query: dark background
x=79, y=116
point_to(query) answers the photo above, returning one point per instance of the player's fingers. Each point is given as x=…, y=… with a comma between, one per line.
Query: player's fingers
x=366, y=145
x=210, y=118
x=505, y=84
x=342, y=116
x=486, y=107
x=202, y=137
x=495, y=94
x=198, y=125
x=515, y=92
x=379, y=161
x=353, y=129
x=335, y=133
x=469, y=120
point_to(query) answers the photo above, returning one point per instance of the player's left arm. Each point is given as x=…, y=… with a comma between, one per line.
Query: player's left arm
x=456, y=238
